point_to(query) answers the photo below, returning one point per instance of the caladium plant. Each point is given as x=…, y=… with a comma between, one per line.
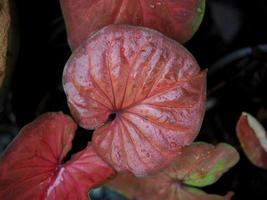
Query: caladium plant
x=200, y=164
x=32, y=167
x=178, y=19
x=253, y=139
x=144, y=95
x=142, y=92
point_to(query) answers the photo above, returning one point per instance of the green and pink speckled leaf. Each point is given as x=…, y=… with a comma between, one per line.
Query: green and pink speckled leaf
x=32, y=167
x=178, y=19
x=152, y=85
x=200, y=164
x=253, y=139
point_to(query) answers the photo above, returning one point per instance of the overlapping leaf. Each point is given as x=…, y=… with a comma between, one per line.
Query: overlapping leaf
x=253, y=139
x=177, y=19
x=200, y=164
x=33, y=168
x=151, y=84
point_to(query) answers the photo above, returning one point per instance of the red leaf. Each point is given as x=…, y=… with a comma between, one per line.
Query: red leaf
x=253, y=139
x=177, y=19
x=32, y=168
x=152, y=85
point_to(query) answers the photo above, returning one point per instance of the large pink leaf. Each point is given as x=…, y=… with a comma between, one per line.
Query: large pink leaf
x=253, y=139
x=177, y=19
x=199, y=165
x=32, y=168
x=151, y=85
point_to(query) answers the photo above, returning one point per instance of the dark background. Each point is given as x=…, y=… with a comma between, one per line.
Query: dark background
x=231, y=42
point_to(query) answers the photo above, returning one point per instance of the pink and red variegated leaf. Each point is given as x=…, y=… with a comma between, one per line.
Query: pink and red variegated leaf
x=152, y=86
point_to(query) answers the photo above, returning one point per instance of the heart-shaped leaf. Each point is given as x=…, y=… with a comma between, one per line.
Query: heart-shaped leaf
x=193, y=167
x=178, y=19
x=253, y=139
x=150, y=86
x=32, y=167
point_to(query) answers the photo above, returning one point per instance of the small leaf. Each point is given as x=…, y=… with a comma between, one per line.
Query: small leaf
x=203, y=164
x=171, y=184
x=142, y=92
x=253, y=139
x=178, y=19
x=32, y=168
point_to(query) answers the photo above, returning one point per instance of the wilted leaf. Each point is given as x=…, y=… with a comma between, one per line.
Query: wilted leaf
x=32, y=167
x=5, y=24
x=178, y=19
x=151, y=85
x=193, y=167
x=253, y=139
